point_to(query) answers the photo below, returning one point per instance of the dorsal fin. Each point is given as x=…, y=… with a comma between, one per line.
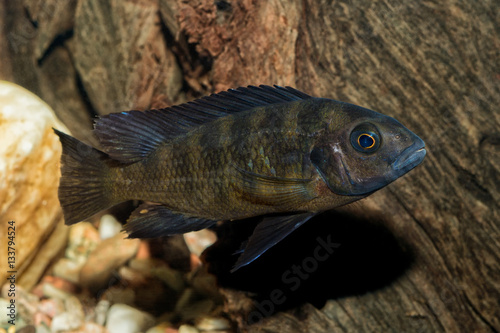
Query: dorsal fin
x=132, y=135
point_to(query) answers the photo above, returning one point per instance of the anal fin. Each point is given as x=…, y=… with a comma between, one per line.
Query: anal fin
x=150, y=221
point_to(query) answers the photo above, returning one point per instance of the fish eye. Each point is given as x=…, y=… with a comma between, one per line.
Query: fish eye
x=365, y=138
x=366, y=141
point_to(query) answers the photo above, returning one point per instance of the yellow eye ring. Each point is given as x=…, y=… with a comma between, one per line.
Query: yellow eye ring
x=363, y=143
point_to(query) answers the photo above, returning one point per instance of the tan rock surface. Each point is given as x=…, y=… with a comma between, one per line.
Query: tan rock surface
x=110, y=254
x=29, y=176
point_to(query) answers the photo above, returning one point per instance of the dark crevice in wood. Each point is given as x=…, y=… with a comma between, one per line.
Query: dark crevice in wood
x=85, y=97
x=437, y=319
x=478, y=313
x=27, y=14
x=58, y=41
x=191, y=63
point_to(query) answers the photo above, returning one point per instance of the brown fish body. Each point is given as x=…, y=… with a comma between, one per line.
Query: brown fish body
x=242, y=153
x=198, y=173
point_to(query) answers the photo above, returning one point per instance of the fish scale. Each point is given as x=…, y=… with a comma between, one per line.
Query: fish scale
x=247, y=152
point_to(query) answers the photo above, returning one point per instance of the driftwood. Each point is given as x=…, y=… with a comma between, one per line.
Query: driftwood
x=422, y=255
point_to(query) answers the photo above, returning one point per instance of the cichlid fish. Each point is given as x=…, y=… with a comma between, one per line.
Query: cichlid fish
x=247, y=152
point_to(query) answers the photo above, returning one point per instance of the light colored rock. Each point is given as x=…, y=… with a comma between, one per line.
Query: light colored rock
x=42, y=329
x=126, y=319
x=26, y=303
x=132, y=276
x=188, y=329
x=71, y=319
x=83, y=239
x=65, y=322
x=20, y=325
x=56, y=282
x=68, y=269
x=93, y=328
x=146, y=265
x=161, y=328
x=109, y=226
x=101, y=310
x=46, y=252
x=4, y=303
x=51, y=307
x=198, y=241
x=110, y=254
x=40, y=318
x=213, y=324
x=73, y=305
x=29, y=177
x=51, y=291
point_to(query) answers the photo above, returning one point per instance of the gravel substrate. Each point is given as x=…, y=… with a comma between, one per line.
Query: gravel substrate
x=106, y=283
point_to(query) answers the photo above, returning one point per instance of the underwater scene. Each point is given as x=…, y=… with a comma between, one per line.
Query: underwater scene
x=249, y=166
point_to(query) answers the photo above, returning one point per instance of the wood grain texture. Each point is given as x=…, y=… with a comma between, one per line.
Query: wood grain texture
x=136, y=55
x=434, y=66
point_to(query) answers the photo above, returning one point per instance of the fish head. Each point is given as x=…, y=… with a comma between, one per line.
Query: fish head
x=369, y=151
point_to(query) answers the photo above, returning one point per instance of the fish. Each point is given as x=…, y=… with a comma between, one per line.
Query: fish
x=253, y=151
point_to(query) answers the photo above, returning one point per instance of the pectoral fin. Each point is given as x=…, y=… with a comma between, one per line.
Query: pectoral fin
x=150, y=221
x=274, y=191
x=268, y=233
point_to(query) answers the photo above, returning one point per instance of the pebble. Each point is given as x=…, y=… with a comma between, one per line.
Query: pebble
x=188, y=329
x=197, y=309
x=212, y=324
x=132, y=276
x=55, y=282
x=42, y=329
x=146, y=265
x=126, y=319
x=92, y=328
x=22, y=329
x=195, y=262
x=172, y=278
x=109, y=227
x=198, y=241
x=120, y=294
x=185, y=299
x=144, y=251
x=83, y=239
x=161, y=328
x=206, y=284
x=4, y=303
x=73, y=305
x=65, y=322
x=110, y=254
x=51, y=291
x=26, y=303
x=40, y=318
x=51, y=307
x=68, y=269
x=71, y=319
x=101, y=310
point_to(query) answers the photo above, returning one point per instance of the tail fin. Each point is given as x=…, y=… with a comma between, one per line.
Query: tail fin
x=82, y=188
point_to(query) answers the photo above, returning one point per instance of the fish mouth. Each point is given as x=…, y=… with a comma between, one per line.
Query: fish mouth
x=409, y=159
